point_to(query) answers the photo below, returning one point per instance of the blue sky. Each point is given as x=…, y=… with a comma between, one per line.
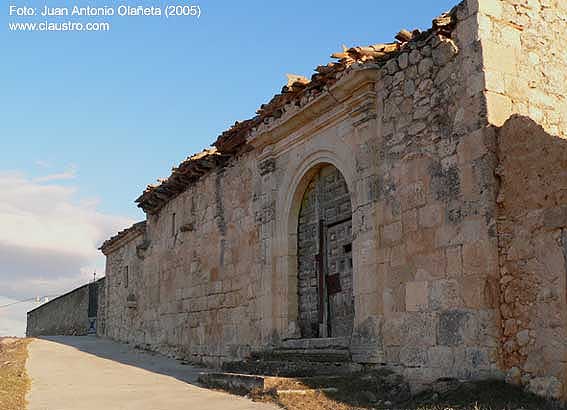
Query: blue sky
x=87, y=120
x=123, y=107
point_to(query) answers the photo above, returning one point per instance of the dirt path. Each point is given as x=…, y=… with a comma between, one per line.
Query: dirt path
x=85, y=373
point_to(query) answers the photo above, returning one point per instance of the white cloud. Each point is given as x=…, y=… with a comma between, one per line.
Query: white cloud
x=69, y=174
x=48, y=239
x=43, y=163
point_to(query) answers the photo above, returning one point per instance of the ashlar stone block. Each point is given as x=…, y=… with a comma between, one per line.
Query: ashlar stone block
x=417, y=296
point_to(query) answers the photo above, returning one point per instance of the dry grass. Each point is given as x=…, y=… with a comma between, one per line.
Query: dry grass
x=353, y=394
x=311, y=401
x=14, y=382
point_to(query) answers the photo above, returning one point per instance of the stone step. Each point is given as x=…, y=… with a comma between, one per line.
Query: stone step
x=285, y=368
x=305, y=355
x=233, y=382
x=360, y=389
x=245, y=383
x=317, y=343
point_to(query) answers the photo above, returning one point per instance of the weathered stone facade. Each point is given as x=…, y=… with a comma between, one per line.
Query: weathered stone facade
x=236, y=251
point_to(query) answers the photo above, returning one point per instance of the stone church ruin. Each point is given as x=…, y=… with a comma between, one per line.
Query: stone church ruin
x=405, y=207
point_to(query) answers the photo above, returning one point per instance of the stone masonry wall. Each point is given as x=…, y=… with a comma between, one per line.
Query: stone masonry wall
x=435, y=267
x=65, y=315
x=419, y=162
x=524, y=46
x=215, y=275
x=194, y=289
x=119, y=323
x=101, y=305
x=532, y=226
x=212, y=278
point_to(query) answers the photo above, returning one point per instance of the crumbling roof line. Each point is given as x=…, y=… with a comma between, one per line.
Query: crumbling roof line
x=123, y=236
x=296, y=94
x=189, y=171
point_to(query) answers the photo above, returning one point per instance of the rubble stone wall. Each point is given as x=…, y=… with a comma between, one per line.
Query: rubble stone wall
x=120, y=319
x=64, y=315
x=532, y=226
x=194, y=288
x=524, y=52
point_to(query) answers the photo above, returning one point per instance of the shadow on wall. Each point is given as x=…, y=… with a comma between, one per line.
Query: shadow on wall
x=532, y=234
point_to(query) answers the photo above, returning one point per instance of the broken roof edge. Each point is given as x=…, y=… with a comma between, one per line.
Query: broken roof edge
x=302, y=92
x=357, y=82
x=123, y=237
x=190, y=170
x=298, y=93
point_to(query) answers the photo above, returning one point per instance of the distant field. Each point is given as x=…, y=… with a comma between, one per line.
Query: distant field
x=14, y=381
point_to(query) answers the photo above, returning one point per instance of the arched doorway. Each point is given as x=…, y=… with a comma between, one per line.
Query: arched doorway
x=324, y=257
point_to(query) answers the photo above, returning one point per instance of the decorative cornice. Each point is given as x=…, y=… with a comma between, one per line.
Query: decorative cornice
x=353, y=92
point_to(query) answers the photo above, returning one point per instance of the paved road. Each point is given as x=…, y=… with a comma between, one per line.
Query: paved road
x=86, y=373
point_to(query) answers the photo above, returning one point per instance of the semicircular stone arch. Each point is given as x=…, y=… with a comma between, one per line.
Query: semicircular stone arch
x=325, y=294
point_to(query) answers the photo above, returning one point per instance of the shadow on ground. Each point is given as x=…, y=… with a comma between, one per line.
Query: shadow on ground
x=380, y=390
x=130, y=356
x=371, y=390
